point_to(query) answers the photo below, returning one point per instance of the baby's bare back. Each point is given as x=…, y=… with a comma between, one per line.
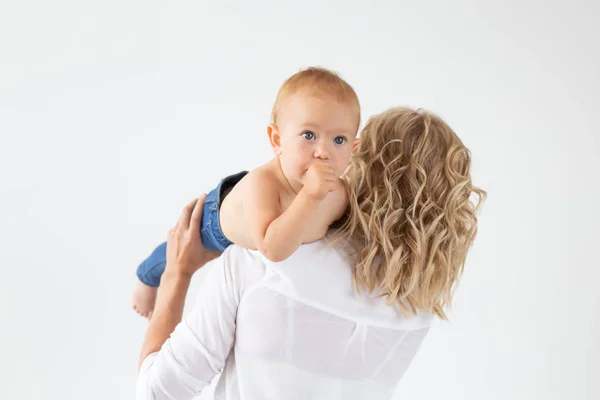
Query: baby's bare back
x=233, y=216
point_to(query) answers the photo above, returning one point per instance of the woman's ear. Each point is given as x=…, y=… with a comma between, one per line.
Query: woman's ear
x=274, y=138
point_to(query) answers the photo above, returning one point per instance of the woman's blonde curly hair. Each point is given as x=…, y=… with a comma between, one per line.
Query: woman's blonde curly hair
x=410, y=219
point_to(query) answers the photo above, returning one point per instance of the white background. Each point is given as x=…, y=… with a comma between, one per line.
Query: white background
x=115, y=114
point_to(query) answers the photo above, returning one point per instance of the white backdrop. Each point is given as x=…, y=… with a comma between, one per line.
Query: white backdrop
x=115, y=114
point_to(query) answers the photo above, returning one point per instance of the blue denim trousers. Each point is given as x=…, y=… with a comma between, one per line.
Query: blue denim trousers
x=152, y=268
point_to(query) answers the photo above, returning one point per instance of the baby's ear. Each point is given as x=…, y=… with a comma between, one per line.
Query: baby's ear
x=355, y=144
x=274, y=138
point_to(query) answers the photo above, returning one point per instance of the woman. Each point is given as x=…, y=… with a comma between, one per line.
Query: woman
x=342, y=317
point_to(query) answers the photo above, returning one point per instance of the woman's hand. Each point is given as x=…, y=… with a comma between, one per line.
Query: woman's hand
x=185, y=252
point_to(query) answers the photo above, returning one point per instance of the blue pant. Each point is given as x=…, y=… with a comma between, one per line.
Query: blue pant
x=152, y=268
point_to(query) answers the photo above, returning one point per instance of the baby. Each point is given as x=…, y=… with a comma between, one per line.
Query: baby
x=290, y=200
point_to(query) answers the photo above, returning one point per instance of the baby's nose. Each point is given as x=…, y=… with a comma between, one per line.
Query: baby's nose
x=322, y=152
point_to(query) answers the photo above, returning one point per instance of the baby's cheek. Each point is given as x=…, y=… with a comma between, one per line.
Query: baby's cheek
x=339, y=168
x=297, y=167
x=301, y=163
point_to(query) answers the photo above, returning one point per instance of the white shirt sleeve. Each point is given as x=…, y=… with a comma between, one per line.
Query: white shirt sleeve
x=200, y=344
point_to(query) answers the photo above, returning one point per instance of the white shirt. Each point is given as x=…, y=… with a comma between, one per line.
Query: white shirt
x=290, y=330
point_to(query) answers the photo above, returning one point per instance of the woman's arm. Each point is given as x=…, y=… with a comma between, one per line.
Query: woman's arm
x=181, y=365
x=167, y=312
x=197, y=349
x=185, y=255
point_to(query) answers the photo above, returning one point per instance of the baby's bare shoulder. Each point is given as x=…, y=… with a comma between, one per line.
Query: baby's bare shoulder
x=262, y=178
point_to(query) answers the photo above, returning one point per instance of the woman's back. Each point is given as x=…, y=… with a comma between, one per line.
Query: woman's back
x=303, y=332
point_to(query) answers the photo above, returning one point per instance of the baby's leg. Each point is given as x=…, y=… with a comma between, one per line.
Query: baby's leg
x=149, y=273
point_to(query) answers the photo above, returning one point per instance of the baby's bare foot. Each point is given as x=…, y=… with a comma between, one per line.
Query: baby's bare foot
x=144, y=297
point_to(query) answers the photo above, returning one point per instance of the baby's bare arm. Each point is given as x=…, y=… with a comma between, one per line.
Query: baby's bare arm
x=332, y=208
x=276, y=234
x=335, y=204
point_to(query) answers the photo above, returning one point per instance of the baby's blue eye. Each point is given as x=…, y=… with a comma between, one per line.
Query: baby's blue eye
x=340, y=140
x=308, y=135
